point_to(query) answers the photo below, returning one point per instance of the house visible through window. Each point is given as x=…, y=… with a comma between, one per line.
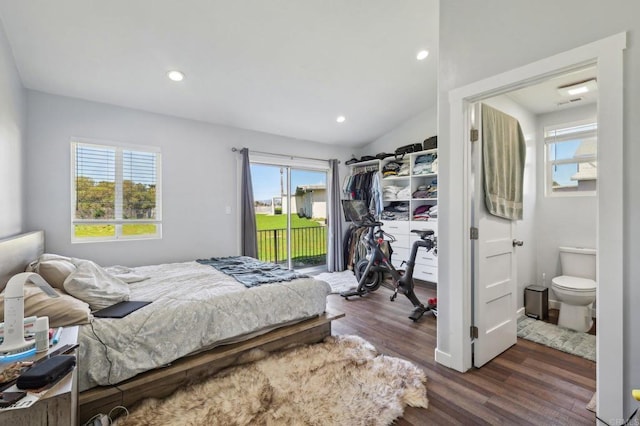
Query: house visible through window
x=571, y=159
x=115, y=192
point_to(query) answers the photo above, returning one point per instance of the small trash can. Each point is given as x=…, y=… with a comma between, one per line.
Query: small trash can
x=536, y=302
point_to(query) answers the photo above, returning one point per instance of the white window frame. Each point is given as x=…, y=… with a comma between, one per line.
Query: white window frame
x=118, y=221
x=555, y=134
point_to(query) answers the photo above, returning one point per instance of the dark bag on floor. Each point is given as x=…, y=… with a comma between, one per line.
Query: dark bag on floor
x=46, y=372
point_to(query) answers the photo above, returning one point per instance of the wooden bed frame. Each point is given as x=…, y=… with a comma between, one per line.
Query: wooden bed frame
x=16, y=252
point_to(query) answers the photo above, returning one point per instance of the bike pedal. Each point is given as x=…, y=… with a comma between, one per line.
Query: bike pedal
x=417, y=313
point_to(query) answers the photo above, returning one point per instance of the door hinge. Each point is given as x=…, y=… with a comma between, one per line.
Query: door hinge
x=474, y=135
x=474, y=332
x=473, y=233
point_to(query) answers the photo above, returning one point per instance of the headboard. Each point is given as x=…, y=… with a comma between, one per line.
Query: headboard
x=17, y=252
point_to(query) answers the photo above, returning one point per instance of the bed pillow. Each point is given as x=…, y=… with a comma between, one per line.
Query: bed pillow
x=94, y=285
x=62, y=311
x=55, y=271
x=54, y=268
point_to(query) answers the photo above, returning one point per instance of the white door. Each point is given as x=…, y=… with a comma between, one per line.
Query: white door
x=494, y=264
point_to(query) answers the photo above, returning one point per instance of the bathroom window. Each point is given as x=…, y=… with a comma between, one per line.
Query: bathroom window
x=571, y=159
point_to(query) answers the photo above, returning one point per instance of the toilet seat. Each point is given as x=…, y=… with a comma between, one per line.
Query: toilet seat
x=576, y=284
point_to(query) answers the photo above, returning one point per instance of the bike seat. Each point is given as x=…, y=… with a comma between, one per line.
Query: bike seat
x=423, y=233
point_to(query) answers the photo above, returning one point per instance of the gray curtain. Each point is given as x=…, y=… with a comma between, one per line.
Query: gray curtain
x=248, y=225
x=335, y=259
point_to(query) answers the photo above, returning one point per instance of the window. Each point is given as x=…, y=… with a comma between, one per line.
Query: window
x=571, y=159
x=115, y=192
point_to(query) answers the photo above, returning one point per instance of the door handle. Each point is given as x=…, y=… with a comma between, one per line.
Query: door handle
x=518, y=243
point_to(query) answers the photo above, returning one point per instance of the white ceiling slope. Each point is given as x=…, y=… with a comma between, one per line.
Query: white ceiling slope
x=287, y=67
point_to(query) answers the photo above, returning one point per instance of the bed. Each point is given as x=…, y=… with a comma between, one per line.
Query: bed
x=200, y=320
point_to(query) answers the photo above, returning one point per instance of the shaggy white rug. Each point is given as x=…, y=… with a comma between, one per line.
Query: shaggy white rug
x=339, y=281
x=340, y=381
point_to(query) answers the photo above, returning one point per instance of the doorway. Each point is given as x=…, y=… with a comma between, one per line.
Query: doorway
x=559, y=205
x=454, y=350
x=291, y=214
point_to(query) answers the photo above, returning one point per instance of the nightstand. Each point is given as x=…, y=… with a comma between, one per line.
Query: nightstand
x=59, y=407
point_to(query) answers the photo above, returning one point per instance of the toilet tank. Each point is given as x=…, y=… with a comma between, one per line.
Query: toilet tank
x=578, y=262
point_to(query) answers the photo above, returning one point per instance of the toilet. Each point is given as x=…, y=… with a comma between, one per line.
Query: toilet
x=575, y=289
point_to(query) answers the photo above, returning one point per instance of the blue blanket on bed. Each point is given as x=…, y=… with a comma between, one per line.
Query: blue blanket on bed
x=251, y=272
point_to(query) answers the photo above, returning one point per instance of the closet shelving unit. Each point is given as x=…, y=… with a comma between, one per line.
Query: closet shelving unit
x=426, y=268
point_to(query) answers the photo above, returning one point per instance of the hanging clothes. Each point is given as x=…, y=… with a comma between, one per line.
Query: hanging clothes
x=354, y=248
x=365, y=185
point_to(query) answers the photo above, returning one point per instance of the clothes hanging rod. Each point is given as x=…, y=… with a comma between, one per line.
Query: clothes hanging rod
x=234, y=149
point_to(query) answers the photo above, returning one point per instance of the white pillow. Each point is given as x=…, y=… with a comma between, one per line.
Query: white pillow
x=53, y=268
x=55, y=271
x=94, y=285
x=51, y=256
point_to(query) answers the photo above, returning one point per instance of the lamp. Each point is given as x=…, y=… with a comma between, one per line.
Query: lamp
x=580, y=88
x=14, y=342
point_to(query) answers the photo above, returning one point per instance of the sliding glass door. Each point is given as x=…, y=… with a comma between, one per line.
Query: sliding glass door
x=291, y=214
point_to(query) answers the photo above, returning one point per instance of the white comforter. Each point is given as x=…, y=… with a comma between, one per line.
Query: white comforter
x=194, y=307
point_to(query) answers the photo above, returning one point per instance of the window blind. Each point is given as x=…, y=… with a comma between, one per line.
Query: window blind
x=571, y=158
x=115, y=189
x=582, y=131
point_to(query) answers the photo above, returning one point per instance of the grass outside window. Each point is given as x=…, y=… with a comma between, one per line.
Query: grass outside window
x=308, y=239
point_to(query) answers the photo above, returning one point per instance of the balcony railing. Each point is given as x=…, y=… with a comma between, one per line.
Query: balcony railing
x=308, y=245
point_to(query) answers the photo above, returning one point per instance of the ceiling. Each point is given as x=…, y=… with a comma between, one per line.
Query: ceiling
x=287, y=67
x=544, y=97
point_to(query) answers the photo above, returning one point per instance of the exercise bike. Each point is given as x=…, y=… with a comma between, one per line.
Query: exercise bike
x=370, y=271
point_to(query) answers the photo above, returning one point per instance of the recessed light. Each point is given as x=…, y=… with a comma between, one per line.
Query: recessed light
x=175, y=75
x=341, y=119
x=578, y=90
x=422, y=55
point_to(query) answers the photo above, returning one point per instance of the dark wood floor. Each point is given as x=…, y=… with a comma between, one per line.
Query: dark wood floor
x=529, y=384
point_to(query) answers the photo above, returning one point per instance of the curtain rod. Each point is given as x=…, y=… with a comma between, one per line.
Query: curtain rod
x=234, y=149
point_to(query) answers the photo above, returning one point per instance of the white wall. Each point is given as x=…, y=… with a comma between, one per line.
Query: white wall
x=562, y=221
x=482, y=39
x=414, y=130
x=526, y=229
x=12, y=136
x=200, y=177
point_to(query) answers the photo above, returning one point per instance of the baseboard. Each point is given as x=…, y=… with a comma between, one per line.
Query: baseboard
x=520, y=312
x=443, y=358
